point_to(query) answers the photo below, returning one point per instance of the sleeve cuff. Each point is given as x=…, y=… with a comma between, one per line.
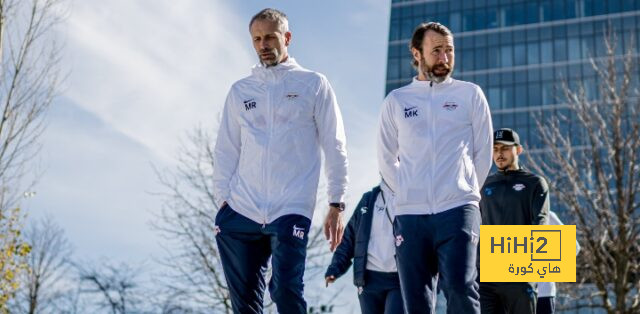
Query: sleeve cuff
x=335, y=198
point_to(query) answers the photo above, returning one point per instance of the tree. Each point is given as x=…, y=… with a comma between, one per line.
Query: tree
x=28, y=80
x=49, y=265
x=593, y=155
x=186, y=222
x=29, y=69
x=115, y=288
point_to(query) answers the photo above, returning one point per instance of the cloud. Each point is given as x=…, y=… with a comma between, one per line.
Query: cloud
x=96, y=185
x=154, y=71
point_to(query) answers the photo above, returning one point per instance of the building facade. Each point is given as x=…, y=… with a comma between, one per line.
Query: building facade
x=519, y=52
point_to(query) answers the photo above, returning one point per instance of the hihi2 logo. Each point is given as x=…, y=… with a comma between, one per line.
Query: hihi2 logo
x=527, y=253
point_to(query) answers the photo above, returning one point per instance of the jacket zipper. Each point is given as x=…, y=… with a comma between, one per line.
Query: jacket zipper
x=432, y=135
x=265, y=167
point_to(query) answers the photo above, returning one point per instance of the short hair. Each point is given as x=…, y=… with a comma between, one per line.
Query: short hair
x=418, y=35
x=272, y=15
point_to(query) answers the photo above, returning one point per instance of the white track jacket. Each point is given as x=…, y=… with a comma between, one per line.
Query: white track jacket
x=267, y=153
x=434, y=145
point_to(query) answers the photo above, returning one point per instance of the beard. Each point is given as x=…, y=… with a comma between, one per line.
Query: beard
x=437, y=73
x=273, y=57
x=507, y=164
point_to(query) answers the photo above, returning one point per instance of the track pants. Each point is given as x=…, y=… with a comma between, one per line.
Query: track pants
x=381, y=293
x=507, y=297
x=245, y=248
x=444, y=246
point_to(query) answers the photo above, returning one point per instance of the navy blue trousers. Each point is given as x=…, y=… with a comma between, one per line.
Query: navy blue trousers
x=508, y=298
x=245, y=247
x=381, y=293
x=546, y=305
x=441, y=247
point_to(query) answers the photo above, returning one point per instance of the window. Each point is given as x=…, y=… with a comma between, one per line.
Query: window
x=393, y=69
x=494, y=98
x=520, y=77
x=560, y=49
x=507, y=121
x=533, y=53
x=546, y=52
x=503, y=19
x=520, y=54
x=574, y=49
x=534, y=93
x=406, y=68
x=545, y=11
x=558, y=12
x=493, y=58
x=533, y=12
x=394, y=31
x=598, y=7
x=506, y=78
x=506, y=57
x=572, y=9
x=522, y=121
x=508, y=97
x=467, y=21
x=533, y=75
x=547, y=93
x=561, y=73
x=587, y=47
x=587, y=7
x=455, y=22
x=518, y=15
x=467, y=62
x=614, y=6
x=481, y=58
x=521, y=99
x=407, y=28
x=481, y=19
x=492, y=18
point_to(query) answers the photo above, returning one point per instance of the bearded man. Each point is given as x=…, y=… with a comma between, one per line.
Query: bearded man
x=434, y=147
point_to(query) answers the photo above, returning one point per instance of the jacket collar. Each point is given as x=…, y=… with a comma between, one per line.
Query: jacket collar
x=508, y=172
x=386, y=189
x=417, y=82
x=274, y=73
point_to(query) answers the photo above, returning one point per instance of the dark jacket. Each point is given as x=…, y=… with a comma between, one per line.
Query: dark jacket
x=355, y=241
x=514, y=197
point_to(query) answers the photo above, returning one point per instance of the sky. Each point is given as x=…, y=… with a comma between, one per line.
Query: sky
x=141, y=76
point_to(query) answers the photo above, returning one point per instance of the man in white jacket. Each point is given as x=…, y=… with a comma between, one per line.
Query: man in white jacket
x=434, y=145
x=266, y=169
x=547, y=290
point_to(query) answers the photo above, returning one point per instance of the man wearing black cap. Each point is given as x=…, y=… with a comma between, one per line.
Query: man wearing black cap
x=511, y=196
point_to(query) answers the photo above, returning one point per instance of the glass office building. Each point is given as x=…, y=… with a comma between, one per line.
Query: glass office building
x=518, y=51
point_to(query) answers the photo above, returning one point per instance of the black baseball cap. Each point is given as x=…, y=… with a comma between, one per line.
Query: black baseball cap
x=506, y=136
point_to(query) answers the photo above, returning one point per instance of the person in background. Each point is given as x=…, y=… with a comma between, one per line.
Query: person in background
x=547, y=290
x=368, y=240
x=511, y=196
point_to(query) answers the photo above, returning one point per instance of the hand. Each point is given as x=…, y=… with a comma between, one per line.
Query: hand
x=333, y=227
x=329, y=279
